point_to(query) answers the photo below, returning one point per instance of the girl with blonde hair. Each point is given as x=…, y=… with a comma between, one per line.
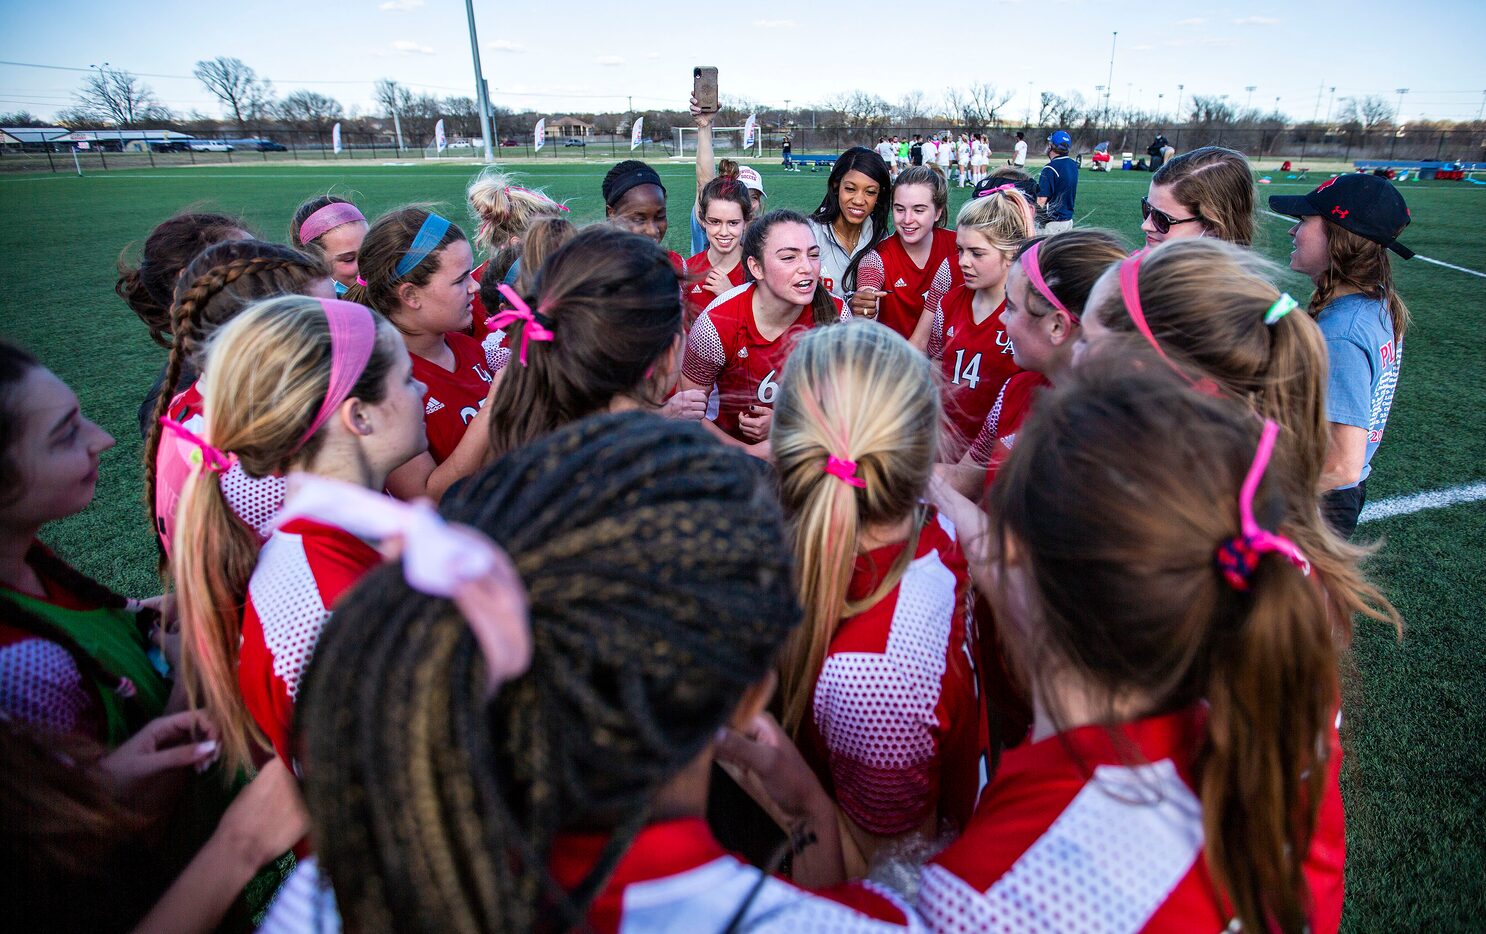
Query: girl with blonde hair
x=504, y=211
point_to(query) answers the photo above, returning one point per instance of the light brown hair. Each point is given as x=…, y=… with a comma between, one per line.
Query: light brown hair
x=938, y=189
x=387, y=242
x=1358, y=264
x=1216, y=185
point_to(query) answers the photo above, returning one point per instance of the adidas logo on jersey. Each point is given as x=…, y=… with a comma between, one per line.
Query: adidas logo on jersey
x=432, y=406
x=900, y=284
x=696, y=289
x=742, y=353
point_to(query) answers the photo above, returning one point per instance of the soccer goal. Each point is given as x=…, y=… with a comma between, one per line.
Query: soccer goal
x=726, y=141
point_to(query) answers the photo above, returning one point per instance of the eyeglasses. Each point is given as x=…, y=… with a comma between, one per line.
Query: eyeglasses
x=1163, y=221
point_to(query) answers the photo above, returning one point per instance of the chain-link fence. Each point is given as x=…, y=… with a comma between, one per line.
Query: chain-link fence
x=1299, y=144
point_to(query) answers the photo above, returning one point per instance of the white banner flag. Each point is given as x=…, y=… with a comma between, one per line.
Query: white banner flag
x=539, y=134
x=749, y=129
x=635, y=131
x=335, y=137
x=438, y=136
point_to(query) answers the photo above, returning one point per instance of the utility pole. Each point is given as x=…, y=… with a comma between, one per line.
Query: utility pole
x=1398, y=114
x=1109, y=82
x=469, y=9
x=1320, y=89
x=1482, y=111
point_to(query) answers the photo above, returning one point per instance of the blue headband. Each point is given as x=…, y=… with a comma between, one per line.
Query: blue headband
x=427, y=240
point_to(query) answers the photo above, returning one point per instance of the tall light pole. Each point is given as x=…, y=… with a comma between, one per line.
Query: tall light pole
x=1177, y=115
x=469, y=10
x=1098, y=93
x=1159, y=98
x=1249, y=103
x=1398, y=114
x=1330, y=99
x=1027, y=120
x=1109, y=82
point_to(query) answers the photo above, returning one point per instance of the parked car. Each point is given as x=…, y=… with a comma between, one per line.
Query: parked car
x=257, y=145
x=509, y=142
x=168, y=145
x=573, y=141
x=209, y=145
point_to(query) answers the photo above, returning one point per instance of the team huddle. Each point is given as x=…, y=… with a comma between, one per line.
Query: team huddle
x=866, y=570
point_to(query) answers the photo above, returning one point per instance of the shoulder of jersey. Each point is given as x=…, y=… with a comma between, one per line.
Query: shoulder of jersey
x=727, y=296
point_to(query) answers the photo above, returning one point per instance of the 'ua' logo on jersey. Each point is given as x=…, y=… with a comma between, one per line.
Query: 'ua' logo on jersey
x=742, y=353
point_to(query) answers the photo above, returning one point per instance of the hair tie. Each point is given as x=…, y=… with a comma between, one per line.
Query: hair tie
x=1281, y=307
x=353, y=336
x=438, y=559
x=1009, y=186
x=429, y=235
x=1238, y=557
x=1130, y=291
x=327, y=219
x=1034, y=274
x=538, y=326
x=845, y=471
x=125, y=688
x=203, y=455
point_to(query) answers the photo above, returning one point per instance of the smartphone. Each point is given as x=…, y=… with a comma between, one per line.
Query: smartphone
x=704, y=87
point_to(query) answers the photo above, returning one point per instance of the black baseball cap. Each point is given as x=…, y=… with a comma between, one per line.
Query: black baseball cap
x=1366, y=205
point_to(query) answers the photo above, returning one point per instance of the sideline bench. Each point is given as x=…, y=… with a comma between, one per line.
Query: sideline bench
x=1445, y=171
x=815, y=162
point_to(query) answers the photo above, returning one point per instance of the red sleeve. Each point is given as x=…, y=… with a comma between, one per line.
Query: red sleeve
x=478, y=311
x=1010, y=411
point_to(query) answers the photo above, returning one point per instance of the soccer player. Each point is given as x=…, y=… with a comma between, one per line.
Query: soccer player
x=1057, y=185
x=909, y=270
x=635, y=200
x=740, y=343
x=1019, y=151
x=726, y=209
x=505, y=212
x=331, y=228
x=1208, y=192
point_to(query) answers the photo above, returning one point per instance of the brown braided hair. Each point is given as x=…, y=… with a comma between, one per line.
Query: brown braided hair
x=659, y=587
x=218, y=284
x=170, y=247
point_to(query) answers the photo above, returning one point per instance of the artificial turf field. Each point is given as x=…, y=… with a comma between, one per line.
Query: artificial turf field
x=1416, y=756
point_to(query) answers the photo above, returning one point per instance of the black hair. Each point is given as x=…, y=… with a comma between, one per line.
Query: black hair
x=823, y=309
x=858, y=159
x=630, y=173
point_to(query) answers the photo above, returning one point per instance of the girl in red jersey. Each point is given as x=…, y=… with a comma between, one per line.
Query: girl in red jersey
x=505, y=211
x=908, y=272
x=963, y=330
x=600, y=332
x=659, y=598
x=738, y=346
x=331, y=228
x=725, y=209
x=417, y=270
x=877, y=685
x=316, y=385
x=1045, y=294
x=220, y=283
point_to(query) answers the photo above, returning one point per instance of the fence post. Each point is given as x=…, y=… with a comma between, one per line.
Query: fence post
x=261, y=151
x=49, y=163
x=293, y=150
x=1302, y=149
x=1393, y=148
x=150, y=151
x=101, y=160
x=320, y=138
x=1440, y=149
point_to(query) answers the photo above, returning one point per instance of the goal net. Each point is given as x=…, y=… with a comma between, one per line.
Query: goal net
x=726, y=141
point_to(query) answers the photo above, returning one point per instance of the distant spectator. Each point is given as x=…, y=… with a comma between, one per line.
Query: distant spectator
x=1019, y=151
x=916, y=150
x=1057, y=186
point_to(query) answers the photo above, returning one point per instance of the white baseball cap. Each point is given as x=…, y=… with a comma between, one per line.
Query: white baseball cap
x=751, y=179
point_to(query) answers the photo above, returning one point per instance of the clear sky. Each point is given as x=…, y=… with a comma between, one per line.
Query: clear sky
x=587, y=55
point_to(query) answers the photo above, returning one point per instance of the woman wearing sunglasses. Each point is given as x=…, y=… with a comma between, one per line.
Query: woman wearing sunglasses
x=1208, y=192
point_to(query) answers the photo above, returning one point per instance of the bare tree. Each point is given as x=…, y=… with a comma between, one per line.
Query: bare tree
x=1211, y=111
x=911, y=108
x=1367, y=112
x=118, y=97
x=309, y=110
x=861, y=109
x=395, y=98
x=238, y=87
x=463, y=115
x=977, y=105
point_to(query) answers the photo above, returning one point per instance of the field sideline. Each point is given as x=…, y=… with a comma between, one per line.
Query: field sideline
x=1415, y=709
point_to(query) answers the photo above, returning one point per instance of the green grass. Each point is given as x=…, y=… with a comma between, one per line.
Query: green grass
x=1416, y=766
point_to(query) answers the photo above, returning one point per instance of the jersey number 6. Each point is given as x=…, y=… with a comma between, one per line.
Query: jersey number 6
x=768, y=389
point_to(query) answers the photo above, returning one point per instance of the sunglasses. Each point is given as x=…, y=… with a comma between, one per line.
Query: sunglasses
x=1163, y=221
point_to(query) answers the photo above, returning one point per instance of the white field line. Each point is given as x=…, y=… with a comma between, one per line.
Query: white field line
x=1418, y=502
x=1426, y=259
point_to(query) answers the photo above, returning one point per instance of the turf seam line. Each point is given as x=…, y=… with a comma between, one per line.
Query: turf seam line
x=1419, y=502
x=1427, y=259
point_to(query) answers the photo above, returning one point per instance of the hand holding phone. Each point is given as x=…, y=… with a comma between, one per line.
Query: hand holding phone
x=704, y=88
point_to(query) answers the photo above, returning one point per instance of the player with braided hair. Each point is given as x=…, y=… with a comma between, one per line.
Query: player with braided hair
x=221, y=282
x=659, y=595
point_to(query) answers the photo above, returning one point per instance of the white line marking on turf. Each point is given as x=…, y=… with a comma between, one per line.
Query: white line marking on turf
x=1418, y=502
x=1427, y=259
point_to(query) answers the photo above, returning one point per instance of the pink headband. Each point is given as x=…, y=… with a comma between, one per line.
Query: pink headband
x=534, y=330
x=1130, y=291
x=438, y=559
x=353, y=335
x=212, y=460
x=1034, y=275
x=845, y=471
x=1238, y=557
x=327, y=219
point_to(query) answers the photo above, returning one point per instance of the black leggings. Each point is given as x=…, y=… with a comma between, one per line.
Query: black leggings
x=1342, y=508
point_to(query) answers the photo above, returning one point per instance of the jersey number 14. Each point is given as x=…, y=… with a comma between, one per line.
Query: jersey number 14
x=970, y=372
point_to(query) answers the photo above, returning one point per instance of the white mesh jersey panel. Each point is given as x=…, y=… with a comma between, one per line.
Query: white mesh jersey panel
x=705, y=355
x=255, y=500
x=41, y=687
x=287, y=599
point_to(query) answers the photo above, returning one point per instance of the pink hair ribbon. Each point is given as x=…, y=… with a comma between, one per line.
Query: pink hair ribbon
x=327, y=219
x=438, y=559
x=1130, y=291
x=1238, y=557
x=999, y=188
x=534, y=329
x=845, y=471
x=211, y=460
x=353, y=335
x=1034, y=275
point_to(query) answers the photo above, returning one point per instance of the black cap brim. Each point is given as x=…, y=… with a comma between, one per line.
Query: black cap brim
x=1400, y=249
x=1292, y=205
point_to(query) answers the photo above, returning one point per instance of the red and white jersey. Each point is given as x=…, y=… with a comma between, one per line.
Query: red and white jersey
x=42, y=687
x=694, y=287
x=724, y=348
x=1080, y=833
x=976, y=361
x=897, y=731
x=302, y=570
x=453, y=397
x=889, y=268
x=998, y=432
x=478, y=312
x=254, y=500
